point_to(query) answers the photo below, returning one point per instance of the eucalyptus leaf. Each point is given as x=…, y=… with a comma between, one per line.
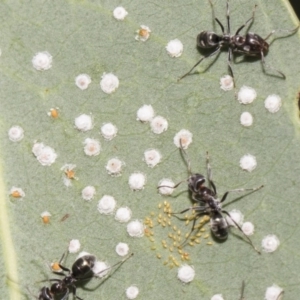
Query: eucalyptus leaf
x=83, y=37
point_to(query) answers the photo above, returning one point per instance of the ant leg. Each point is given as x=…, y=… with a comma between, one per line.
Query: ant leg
x=199, y=209
x=51, y=279
x=209, y=175
x=288, y=31
x=29, y=291
x=186, y=157
x=213, y=17
x=74, y=294
x=182, y=212
x=65, y=254
x=66, y=295
x=240, y=229
x=62, y=257
x=60, y=265
x=240, y=190
x=248, y=21
x=229, y=60
x=63, y=268
x=221, y=25
x=267, y=66
x=116, y=264
x=242, y=290
x=228, y=17
x=187, y=160
x=216, y=19
x=204, y=57
x=193, y=227
x=171, y=187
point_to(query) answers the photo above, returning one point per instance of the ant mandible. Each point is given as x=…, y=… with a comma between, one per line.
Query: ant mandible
x=80, y=269
x=208, y=202
x=250, y=45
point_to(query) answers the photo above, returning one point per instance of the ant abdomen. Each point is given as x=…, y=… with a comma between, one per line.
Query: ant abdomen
x=219, y=226
x=83, y=265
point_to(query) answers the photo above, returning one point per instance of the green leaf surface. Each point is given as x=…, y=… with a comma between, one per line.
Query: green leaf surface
x=83, y=37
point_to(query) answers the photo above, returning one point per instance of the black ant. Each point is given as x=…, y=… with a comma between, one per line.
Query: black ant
x=250, y=45
x=80, y=269
x=208, y=203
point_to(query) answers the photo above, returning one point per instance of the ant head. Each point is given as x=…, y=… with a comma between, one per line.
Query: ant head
x=195, y=182
x=208, y=39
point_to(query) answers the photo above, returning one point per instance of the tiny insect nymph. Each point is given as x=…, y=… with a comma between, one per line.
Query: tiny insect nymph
x=250, y=44
x=208, y=203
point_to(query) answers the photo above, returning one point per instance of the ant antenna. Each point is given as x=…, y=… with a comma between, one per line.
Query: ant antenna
x=116, y=264
x=185, y=157
x=218, y=49
x=239, y=227
x=188, y=163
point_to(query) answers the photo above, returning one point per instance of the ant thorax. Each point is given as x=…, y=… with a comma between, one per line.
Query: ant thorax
x=218, y=204
x=213, y=204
